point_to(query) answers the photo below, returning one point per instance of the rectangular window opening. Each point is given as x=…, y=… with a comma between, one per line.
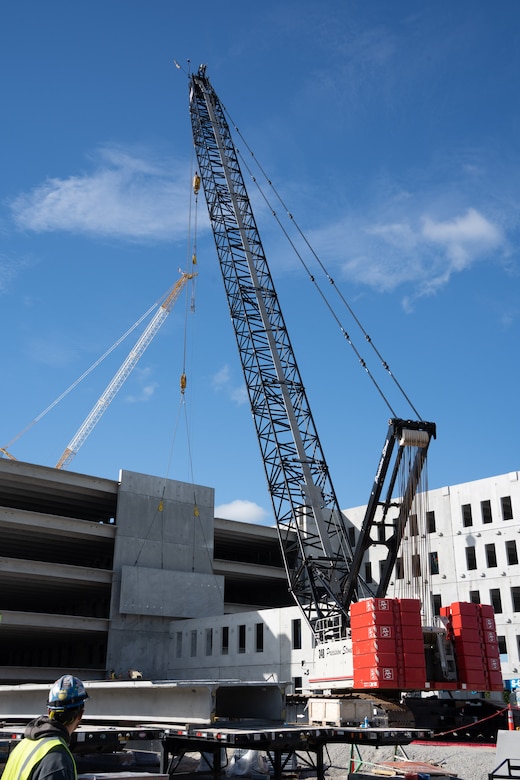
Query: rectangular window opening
x=511, y=552
x=297, y=634
x=491, y=556
x=259, y=637
x=178, y=644
x=413, y=528
x=209, y=641
x=467, y=518
x=471, y=558
x=193, y=644
x=507, y=508
x=496, y=600
x=485, y=508
x=225, y=640
x=242, y=638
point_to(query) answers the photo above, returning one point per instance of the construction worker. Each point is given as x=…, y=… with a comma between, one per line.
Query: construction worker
x=43, y=753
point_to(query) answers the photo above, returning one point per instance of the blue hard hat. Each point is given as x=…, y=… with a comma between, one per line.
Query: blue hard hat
x=67, y=693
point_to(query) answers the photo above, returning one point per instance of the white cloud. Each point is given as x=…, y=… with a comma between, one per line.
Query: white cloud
x=463, y=238
x=222, y=382
x=417, y=251
x=10, y=268
x=144, y=395
x=221, y=378
x=128, y=195
x=147, y=388
x=244, y=511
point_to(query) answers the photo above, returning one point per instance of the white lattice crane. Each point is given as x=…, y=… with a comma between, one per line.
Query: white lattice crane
x=124, y=371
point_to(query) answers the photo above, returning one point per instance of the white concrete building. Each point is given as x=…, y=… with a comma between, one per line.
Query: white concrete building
x=469, y=552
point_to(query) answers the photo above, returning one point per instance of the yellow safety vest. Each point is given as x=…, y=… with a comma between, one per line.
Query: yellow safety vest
x=27, y=755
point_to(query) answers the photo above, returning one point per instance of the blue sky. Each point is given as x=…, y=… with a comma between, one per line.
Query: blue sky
x=391, y=129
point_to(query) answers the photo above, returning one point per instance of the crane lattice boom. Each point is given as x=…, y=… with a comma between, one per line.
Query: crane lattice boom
x=322, y=568
x=304, y=500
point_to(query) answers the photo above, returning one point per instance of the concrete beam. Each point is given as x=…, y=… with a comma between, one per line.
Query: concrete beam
x=57, y=572
x=144, y=701
x=43, y=622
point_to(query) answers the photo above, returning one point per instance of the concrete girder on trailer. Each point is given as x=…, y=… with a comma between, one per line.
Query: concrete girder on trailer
x=139, y=701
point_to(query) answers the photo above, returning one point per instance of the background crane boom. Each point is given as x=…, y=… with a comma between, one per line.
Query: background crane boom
x=122, y=374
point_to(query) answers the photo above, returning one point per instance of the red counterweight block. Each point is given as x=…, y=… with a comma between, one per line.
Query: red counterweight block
x=473, y=630
x=492, y=653
x=387, y=643
x=414, y=661
x=372, y=621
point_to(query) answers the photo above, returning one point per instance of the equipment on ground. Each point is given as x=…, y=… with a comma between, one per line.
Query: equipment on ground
x=323, y=556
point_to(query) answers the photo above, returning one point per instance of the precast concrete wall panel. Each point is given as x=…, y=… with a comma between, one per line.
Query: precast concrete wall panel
x=169, y=593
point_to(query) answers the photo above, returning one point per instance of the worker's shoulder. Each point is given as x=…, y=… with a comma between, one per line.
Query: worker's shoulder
x=57, y=764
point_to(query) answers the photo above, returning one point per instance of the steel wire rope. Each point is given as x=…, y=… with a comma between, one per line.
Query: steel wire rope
x=320, y=292
x=182, y=406
x=330, y=279
x=193, y=251
x=160, y=506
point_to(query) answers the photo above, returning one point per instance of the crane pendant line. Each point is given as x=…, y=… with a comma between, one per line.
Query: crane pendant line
x=323, y=575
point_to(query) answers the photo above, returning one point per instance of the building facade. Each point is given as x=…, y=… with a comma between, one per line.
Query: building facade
x=99, y=576
x=93, y=571
x=467, y=552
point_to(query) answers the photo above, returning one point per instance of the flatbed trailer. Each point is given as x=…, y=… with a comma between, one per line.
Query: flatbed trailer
x=280, y=741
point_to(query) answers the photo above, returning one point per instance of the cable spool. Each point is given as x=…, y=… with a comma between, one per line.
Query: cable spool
x=411, y=438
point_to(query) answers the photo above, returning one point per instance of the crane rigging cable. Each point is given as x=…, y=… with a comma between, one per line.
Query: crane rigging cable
x=182, y=406
x=329, y=278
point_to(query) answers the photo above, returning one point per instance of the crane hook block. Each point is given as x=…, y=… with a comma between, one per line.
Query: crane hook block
x=196, y=184
x=183, y=383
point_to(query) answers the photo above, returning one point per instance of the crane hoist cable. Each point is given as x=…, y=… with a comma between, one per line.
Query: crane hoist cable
x=182, y=408
x=122, y=374
x=190, y=308
x=329, y=278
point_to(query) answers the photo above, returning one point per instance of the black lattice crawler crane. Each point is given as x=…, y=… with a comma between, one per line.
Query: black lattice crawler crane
x=354, y=626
